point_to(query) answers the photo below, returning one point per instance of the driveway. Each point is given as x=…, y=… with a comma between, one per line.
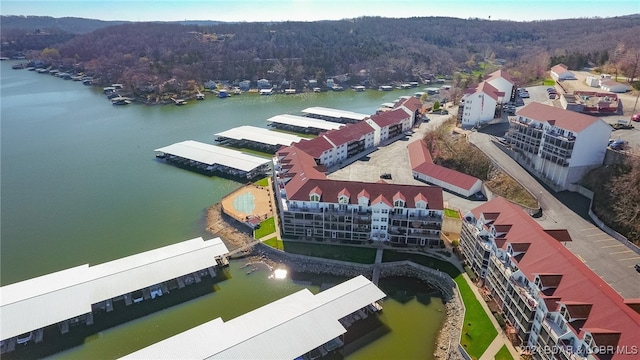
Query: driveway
x=606, y=256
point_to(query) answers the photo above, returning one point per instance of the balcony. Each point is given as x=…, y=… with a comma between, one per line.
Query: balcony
x=523, y=291
x=554, y=330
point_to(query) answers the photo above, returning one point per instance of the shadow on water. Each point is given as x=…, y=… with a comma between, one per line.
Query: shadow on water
x=361, y=334
x=55, y=342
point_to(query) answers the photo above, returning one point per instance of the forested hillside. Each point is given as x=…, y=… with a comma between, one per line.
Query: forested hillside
x=173, y=57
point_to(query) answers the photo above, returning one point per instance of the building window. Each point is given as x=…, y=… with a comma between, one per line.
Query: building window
x=385, y=211
x=398, y=203
x=383, y=227
x=537, y=281
x=314, y=197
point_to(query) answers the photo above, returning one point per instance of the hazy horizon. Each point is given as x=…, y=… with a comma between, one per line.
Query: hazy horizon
x=316, y=10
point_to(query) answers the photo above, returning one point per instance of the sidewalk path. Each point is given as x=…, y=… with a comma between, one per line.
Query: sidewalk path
x=501, y=338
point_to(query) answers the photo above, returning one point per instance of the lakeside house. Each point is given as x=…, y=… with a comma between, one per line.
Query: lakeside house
x=558, y=146
x=478, y=106
x=550, y=298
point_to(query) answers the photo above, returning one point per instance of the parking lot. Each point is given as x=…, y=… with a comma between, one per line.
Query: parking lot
x=394, y=159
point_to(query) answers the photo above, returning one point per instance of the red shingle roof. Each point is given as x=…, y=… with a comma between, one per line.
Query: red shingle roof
x=579, y=284
x=564, y=119
x=314, y=147
x=389, y=118
x=559, y=69
x=412, y=103
x=500, y=74
x=421, y=162
x=331, y=189
x=348, y=133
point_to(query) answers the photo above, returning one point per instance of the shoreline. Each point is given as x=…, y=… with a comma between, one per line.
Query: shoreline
x=232, y=234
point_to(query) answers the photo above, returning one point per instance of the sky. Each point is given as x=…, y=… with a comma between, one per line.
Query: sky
x=313, y=10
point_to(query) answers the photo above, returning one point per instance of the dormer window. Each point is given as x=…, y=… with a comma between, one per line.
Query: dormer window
x=343, y=200
x=537, y=281
x=314, y=198
x=398, y=203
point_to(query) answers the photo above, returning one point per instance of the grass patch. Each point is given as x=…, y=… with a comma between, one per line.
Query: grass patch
x=503, y=354
x=549, y=82
x=478, y=331
x=428, y=261
x=262, y=182
x=275, y=243
x=267, y=227
x=450, y=213
x=337, y=252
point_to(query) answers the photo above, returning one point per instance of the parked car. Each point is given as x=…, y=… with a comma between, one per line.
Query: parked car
x=385, y=176
x=637, y=267
x=618, y=144
x=524, y=95
x=636, y=117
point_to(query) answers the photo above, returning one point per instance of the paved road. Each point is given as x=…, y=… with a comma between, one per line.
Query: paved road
x=607, y=257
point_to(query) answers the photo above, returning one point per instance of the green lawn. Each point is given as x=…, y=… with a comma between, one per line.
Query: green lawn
x=337, y=252
x=275, y=243
x=267, y=227
x=451, y=214
x=503, y=354
x=548, y=82
x=478, y=331
x=262, y=182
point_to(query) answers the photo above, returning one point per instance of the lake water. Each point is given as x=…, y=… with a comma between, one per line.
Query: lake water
x=80, y=184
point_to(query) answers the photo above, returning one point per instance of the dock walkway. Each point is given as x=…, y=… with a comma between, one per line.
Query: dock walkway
x=376, y=267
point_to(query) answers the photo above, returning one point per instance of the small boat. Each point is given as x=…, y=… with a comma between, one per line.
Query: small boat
x=179, y=102
x=237, y=91
x=120, y=101
x=200, y=96
x=223, y=94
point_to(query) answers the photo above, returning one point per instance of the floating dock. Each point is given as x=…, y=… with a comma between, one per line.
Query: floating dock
x=302, y=124
x=257, y=138
x=212, y=159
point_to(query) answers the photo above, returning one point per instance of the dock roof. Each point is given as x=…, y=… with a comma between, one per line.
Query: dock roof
x=260, y=135
x=212, y=154
x=305, y=122
x=335, y=113
x=305, y=320
x=46, y=300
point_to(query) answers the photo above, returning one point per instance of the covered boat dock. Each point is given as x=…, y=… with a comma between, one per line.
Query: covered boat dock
x=71, y=296
x=302, y=124
x=341, y=116
x=308, y=323
x=211, y=159
x=257, y=138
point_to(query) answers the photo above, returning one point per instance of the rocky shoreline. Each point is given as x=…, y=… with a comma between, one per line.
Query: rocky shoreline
x=447, y=342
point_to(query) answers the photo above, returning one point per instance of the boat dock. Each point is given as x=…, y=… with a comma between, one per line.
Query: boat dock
x=257, y=138
x=70, y=297
x=334, y=115
x=211, y=159
x=302, y=124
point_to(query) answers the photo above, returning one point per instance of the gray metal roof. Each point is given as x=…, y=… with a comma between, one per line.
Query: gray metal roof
x=305, y=122
x=212, y=154
x=35, y=303
x=284, y=329
x=260, y=135
x=334, y=113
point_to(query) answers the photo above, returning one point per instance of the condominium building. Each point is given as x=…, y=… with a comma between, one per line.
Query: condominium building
x=478, y=106
x=556, y=307
x=559, y=146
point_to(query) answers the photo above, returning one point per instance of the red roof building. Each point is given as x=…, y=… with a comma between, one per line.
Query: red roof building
x=548, y=295
x=424, y=169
